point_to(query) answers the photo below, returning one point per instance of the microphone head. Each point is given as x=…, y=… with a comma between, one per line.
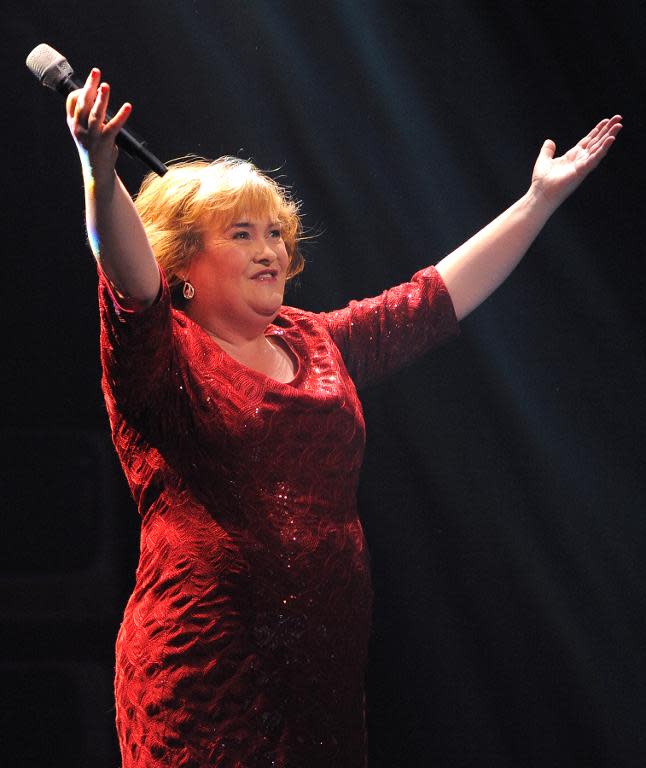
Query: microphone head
x=49, y=66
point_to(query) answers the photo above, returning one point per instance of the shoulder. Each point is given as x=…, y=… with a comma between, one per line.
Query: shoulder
x=293, y=317
x=300, y=326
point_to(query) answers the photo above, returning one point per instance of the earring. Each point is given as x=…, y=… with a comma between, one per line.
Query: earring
x=188, y=291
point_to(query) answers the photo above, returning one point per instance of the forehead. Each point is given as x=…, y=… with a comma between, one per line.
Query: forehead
x=243, y=214
x=234, y=198
x=243, y=220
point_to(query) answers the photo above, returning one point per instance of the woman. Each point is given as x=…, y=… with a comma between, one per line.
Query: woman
x=238, y=426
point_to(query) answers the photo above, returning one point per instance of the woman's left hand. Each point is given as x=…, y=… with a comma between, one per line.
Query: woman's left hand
x=557, y=177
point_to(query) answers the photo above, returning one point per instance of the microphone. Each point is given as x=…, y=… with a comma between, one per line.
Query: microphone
x=53, y=70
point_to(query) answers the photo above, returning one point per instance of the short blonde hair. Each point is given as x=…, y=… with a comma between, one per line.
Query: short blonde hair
x=177, y=208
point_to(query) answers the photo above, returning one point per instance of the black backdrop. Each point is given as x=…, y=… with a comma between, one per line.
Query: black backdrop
x=503, y=492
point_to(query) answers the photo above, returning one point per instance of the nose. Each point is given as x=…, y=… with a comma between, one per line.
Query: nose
x=265, y=254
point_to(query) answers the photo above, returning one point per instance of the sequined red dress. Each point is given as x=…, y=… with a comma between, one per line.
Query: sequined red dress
x=244, y=642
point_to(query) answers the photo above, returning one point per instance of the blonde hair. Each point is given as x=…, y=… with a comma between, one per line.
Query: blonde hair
x=177, y=208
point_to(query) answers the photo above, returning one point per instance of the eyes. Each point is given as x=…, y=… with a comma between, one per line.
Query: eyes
x=244, y=234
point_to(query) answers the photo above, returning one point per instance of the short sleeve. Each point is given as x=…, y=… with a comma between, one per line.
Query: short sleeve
x=136, y=348
x=379, y=336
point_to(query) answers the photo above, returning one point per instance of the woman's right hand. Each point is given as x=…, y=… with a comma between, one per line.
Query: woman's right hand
x=115, y=232
x=94, y=137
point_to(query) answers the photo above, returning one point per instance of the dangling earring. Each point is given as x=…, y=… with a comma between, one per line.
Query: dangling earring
x=187, y=290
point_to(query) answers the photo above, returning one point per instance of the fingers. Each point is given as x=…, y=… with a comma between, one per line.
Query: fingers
x=80, y=103
x=601, y=143
x=585, y=141
x=600, y=140
x=600, y=151
x=87, y=110
x=99, y=108
x=606, y=127
x=98, y=113
x=86, y=98
x=75, y=98
x=70, y=103
x=548, y=149
x=113, y=127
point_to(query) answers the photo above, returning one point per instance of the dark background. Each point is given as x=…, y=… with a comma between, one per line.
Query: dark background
x=503, y=492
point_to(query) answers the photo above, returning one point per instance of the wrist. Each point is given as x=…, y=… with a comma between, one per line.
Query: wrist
x=536, y=199
x=99, y=185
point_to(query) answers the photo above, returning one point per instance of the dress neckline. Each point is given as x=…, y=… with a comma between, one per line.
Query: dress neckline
x=272, y=330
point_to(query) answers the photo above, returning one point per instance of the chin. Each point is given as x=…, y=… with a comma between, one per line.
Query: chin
x=267, y=302
x=269, y=308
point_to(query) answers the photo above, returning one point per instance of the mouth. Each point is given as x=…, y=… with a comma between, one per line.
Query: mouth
x=266, y=275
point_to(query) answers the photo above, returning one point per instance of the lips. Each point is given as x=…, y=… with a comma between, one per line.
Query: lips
x=266, y=274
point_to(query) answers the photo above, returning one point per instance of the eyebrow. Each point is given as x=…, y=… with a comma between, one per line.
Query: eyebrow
x=249, y=225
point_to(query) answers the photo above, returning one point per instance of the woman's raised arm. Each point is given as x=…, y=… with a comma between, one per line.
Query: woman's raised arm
x=115, y=232
x=474, y=270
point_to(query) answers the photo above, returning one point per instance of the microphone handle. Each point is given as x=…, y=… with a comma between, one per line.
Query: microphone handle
x=125, y=138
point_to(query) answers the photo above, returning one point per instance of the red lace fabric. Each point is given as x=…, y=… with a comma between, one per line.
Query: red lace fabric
x=244, y=642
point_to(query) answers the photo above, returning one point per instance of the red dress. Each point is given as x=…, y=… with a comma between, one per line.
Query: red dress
x=244, y=642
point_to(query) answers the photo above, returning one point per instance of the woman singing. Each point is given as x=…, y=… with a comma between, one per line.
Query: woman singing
x=237, y=422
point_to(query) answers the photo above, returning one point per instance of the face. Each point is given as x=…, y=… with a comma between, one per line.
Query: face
x=241, y=270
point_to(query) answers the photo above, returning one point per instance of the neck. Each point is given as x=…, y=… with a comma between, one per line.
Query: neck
x=240, y=348
x=257, y=352
x=232, y=333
